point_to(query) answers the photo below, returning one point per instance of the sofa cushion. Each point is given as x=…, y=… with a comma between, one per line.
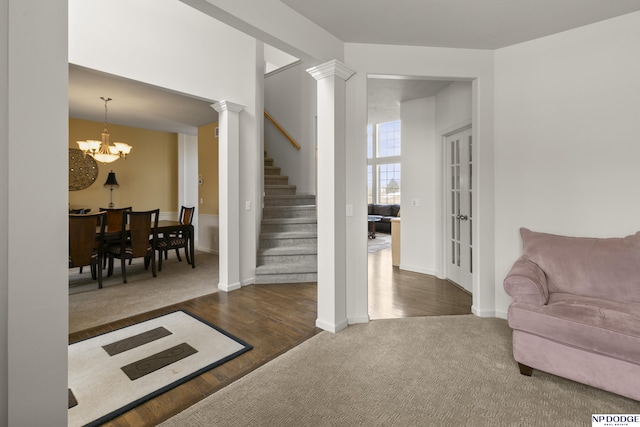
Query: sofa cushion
x=383, y=210
x=599, y=268
x=606, y=327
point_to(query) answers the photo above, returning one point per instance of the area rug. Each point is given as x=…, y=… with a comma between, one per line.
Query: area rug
x=382, y=241
x=112, y=373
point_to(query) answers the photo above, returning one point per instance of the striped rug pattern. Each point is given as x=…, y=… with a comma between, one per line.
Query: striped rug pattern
x=111, y=373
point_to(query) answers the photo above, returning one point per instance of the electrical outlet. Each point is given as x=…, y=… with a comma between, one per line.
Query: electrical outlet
x=415, y=202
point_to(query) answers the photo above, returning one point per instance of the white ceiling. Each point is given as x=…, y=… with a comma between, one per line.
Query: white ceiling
x=473, y=24
x=479, y=24
x=384, y=95
x=135, y=104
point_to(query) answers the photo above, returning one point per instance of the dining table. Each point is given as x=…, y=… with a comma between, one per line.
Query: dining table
x=164, y=227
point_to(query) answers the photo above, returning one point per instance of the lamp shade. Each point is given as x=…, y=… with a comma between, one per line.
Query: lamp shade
x=111, y=180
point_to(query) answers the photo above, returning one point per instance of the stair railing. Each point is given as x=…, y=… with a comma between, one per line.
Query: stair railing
x=284, y=132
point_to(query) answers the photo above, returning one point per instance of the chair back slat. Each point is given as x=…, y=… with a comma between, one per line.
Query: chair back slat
x=84, y=238
x=115, y=217
x=186, y=214
x=143, y=231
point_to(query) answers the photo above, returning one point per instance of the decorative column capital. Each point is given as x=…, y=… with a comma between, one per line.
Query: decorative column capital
x=227, y=106
x=331, y=68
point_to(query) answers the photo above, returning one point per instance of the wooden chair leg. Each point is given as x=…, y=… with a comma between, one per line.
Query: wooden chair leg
x=153, y=265
x=186, y=254
x=160, y=260
x=110, y=268
x=525, y=370
x=123, y=264
x=178, y=255
x=98, y=267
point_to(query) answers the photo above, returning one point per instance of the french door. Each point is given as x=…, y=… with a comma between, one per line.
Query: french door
x=459, y=210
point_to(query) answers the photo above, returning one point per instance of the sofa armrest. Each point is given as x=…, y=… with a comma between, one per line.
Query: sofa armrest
x=526, y=282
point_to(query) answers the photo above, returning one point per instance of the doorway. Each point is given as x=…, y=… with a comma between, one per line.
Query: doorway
x=424, y=117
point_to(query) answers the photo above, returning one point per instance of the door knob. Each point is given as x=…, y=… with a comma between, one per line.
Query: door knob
x=462, y=217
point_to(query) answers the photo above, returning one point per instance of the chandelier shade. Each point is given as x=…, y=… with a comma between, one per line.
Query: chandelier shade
x=102, y=151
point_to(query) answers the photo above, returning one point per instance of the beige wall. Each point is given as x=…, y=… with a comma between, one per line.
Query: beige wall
x=148, y=177
x=208, y=169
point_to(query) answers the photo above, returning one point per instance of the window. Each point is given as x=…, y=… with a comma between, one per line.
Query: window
x=383, y=153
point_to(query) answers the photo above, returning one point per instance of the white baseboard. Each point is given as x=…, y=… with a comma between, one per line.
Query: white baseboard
x=229, y=287
x=355, y=320
x=208, y=232
x=501, y=314
x=331, y=327
x=485, y=313
x=415, y=269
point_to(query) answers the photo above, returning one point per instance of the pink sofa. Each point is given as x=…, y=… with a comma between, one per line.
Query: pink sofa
x=576, y=309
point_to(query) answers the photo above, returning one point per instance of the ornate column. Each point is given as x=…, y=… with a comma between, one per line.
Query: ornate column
x=331, y=78
x=229, y=194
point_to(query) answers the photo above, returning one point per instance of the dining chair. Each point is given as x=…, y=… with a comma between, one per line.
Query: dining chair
x=114, y=223
x=176, y=240
x=139, y=235
x=86, y=245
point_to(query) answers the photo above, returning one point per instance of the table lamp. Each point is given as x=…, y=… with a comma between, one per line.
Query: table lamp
x=111, y=182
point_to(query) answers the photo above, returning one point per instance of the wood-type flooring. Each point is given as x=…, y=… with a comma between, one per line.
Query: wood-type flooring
x=276, y=318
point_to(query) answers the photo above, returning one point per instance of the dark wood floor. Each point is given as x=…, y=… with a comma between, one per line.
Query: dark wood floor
x=276, y=318
x=395, y=293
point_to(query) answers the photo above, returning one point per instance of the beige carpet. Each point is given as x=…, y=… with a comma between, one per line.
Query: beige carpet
x=429, y=371
x=90, y=306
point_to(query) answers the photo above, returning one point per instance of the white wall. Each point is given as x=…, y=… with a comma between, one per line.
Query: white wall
x=567, y=109
x=442, y=64
x=453, y=111
x=188, y=177
x=453, y=107
x=419, y=179
x=276, y=24
x=33, y=219
x=290, y=97
x=147, y=41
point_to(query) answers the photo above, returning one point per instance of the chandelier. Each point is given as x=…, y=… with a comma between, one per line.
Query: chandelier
x=101, y=150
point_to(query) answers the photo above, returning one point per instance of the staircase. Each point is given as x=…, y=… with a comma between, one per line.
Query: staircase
x=288, y=248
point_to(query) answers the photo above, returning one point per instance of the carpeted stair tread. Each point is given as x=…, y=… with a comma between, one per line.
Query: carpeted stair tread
x=289, y=250
x=279, y=186
x=289, y=235
x=296, y=207
x=300, y=220
x=296, y=268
